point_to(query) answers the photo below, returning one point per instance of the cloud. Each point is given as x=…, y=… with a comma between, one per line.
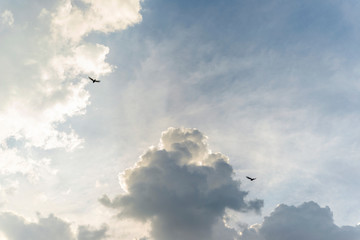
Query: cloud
x=13, y=163
x=71, y=22
x=181, y=187
x=307, y=221
x=50, y=89
x=8, y=187
x=82, y=59
x=15, y=227
x=52, y=67
x=35, y=119
x=88, y=233
x=7, y=18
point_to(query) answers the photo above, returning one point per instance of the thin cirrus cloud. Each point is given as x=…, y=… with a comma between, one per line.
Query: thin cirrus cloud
x=182, y=188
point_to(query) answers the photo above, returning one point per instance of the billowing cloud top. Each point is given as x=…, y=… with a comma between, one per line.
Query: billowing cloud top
x=181, y=187
x=73, y=23
x=307, y=221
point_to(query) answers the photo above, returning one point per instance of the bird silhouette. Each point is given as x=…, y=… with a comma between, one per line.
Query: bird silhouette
x=251, y=179
x=93, y=80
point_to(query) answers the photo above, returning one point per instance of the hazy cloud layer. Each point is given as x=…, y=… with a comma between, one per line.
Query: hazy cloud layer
x=307, y=221
x=15, y=227
x=181, y=187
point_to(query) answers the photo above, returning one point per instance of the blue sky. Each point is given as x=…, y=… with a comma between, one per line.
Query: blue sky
x=272, y=84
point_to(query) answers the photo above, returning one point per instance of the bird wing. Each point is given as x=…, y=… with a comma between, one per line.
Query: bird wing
x=91, y=78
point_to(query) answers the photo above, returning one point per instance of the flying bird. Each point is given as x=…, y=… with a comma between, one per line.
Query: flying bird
x=251, y=179
x=94, y=80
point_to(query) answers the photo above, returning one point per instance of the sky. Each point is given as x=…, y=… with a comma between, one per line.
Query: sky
x=193, y=97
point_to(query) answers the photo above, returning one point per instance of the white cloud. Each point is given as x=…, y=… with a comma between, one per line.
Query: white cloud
x=35, y=119
x=73, y=23
x=9, y=187
x=307, y=221
x=182, y=188
x=88, y=59
x=51, y=87
x=13, y=163
x=7, y=18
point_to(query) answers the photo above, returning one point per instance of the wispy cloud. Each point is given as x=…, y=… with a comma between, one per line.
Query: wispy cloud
x=7, y=18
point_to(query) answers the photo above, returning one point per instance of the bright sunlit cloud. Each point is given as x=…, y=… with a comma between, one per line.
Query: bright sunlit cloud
x=73, y=23
x=45, y=63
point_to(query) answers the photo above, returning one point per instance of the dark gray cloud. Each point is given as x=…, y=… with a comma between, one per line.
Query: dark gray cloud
x=307, y=221
x=15, y=227
x=181, y=187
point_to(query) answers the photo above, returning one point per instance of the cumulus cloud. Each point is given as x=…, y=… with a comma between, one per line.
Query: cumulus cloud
x=53, y=57
x=73, y=23
x=16, y=227
x=307, y=221
x=82, y=59
x=35, y=119
x=182, y=188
